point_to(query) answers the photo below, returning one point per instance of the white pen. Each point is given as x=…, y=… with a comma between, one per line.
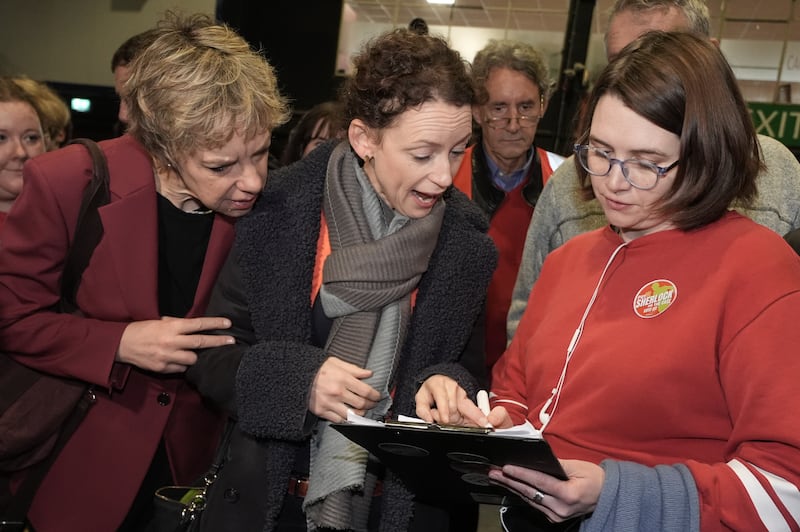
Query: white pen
x=483, y=402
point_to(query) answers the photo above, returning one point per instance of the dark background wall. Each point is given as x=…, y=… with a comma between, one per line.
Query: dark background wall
x=299, y=38
x=100, y=121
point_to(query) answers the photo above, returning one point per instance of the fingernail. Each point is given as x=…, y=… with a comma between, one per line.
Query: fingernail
x=230, y=340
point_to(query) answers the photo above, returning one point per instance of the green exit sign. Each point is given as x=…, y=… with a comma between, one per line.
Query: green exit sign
x=780, y=121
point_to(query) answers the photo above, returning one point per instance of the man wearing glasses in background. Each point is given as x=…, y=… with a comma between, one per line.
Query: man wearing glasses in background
x=503, y=171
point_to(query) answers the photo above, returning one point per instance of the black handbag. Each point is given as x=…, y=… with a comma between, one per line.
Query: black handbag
x=180, y=508
x=40, y=412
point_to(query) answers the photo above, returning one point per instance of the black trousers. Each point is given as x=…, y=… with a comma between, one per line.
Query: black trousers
x=158, y=475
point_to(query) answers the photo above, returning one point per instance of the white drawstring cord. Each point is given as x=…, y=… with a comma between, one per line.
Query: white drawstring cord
x=544, y=415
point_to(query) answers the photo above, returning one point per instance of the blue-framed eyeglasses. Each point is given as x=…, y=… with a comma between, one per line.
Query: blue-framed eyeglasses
x=643, y=175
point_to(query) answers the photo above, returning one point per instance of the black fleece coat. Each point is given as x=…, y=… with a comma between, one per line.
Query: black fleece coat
x=266, y=287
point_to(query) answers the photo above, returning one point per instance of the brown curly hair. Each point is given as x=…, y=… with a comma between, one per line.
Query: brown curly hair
x=400, y=69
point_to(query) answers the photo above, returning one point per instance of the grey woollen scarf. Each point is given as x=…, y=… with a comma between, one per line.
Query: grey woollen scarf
x=367, y=282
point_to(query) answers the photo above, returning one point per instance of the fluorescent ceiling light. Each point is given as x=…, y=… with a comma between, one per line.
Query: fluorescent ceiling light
x=443, y=2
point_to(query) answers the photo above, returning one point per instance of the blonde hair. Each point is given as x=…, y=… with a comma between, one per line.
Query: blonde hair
x=53, y=113
x=196, y=85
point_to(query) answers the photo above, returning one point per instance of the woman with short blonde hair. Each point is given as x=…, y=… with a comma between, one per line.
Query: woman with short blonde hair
x=202, y=108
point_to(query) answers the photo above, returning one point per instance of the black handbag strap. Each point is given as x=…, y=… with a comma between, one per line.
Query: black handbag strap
x=194, y=508
x=89, y=228
x=88, y=232
x=221, y=454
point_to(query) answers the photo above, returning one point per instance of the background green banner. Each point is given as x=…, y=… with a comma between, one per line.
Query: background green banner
x=780, y=121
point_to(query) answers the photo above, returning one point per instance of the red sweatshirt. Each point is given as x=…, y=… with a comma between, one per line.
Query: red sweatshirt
x=689, y=354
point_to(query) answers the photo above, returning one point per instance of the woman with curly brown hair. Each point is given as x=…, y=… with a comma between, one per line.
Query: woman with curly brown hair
x=354, y=285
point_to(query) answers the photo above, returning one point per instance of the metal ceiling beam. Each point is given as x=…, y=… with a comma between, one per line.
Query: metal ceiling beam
x=555, y=131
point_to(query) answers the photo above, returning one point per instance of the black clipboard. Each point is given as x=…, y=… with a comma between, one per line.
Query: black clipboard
x=442, y=463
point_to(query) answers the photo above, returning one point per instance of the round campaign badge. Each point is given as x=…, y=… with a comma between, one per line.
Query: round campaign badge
x=654, y=298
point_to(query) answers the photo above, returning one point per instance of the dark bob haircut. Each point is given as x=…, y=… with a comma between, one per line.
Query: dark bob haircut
x=682, y=83
x=399, y=70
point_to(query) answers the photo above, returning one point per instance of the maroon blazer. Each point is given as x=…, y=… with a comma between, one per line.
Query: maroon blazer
x=93, y=483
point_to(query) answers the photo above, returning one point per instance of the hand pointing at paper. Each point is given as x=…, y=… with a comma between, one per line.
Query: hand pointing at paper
x=440, y=400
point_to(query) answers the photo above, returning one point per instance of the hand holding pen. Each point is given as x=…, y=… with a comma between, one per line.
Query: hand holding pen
x=482, y=415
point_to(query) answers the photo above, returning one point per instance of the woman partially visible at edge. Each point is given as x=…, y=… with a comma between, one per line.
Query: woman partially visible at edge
x=658, y=355
x=317, y=125
x=202, y=108
x=21, y=137
x=354, y=284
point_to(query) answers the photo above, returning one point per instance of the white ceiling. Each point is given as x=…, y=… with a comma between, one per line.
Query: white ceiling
x=743, y=19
